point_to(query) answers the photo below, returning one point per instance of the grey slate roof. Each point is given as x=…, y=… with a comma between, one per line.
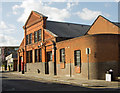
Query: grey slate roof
x=62, y=29
x=117, y=24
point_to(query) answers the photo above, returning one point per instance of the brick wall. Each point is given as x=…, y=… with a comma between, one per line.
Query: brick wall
x=104, y=55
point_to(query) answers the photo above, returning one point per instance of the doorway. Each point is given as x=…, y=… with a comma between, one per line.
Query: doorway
x=49, y=58
x=20, y=59
x=15, y=65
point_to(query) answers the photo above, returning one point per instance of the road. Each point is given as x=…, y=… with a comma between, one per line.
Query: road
x=12, y=82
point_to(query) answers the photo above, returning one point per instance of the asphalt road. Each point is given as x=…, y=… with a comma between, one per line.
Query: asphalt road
x=12, y=82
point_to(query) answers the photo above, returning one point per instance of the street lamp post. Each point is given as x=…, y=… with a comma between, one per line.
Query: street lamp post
x=88, y=64
x=88, y=52
x=23, y=62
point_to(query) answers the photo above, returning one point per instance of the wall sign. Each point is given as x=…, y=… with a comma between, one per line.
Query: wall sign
x=88, y=51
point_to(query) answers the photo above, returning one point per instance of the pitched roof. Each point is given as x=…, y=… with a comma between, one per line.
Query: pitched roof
x=31, y=15
x=62, y=29
x=115, y=23
x=39, y=14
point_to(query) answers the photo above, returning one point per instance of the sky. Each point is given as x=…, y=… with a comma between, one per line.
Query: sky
x=14, y=13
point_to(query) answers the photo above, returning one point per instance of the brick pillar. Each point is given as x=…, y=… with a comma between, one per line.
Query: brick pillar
x=54, y=58
x=52, y=53
x=33, y=56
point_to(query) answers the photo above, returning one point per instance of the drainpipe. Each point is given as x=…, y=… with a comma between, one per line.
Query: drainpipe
x=88, y=65
x=24, y=52
x=88, y=52
x=54, y=47
x=18, y=67
x=70, y=69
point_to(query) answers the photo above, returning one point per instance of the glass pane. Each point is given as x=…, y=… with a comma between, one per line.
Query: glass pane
x=51, y=56
x=35, y=36
x=40, y=55
x=39, y=35
x=35, y=55
x=62, y=55
x=26, y=39
x=30, y=38
x=31, y=56
x=77, y=57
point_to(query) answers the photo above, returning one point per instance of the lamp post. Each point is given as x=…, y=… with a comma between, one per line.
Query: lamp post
x=88, y=64
x=22, y=63
x=88, y=52
x=54, y=49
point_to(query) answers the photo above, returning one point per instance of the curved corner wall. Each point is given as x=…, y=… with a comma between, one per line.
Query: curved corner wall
x=104, y=56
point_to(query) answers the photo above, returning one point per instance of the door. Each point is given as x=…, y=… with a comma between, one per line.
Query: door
x=49, y=58
x=20, y=64
x=15, y=65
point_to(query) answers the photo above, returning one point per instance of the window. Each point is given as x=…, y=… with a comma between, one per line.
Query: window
x=36, y=56
x=40, y=55
x=16, y=48
x=77, y=56
x=26, y=39
x=30, y=38
x=30, y=52
x=27, y=56
x=62, y=55
x=35, y=36
x=39, y=35
x=50, y=56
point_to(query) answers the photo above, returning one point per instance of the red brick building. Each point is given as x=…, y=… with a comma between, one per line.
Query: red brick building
x=58, y=48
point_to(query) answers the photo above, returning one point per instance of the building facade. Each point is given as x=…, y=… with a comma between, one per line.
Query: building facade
x=66, y=49
x=12, y=62
x=4, y=52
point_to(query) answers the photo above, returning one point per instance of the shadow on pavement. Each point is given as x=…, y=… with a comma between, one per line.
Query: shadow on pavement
x=15, y=85
x=29, y=85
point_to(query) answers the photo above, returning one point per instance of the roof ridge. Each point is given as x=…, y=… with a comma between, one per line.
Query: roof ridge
x=39, y=13
x=67, y=23
x=115, y=23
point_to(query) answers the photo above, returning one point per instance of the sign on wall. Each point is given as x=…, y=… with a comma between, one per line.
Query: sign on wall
x=88, y=51
x=108, y=77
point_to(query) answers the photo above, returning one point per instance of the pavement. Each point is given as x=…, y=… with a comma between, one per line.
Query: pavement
x=102, y=84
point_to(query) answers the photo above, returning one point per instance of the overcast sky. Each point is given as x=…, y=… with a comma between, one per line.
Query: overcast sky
x=14, y=14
